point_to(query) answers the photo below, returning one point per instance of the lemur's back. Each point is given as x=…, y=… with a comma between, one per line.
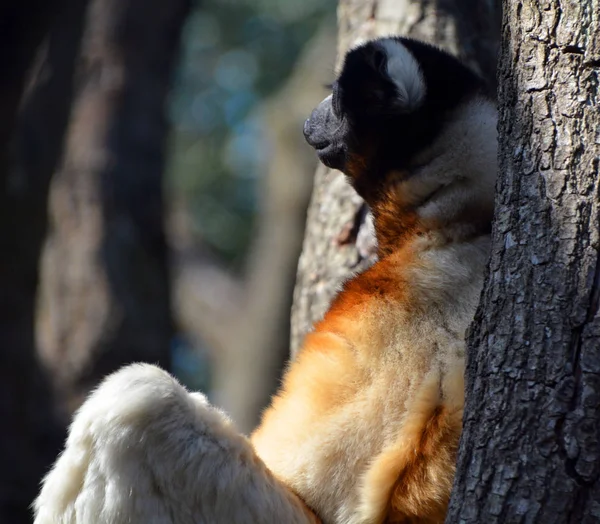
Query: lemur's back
x=382, y=367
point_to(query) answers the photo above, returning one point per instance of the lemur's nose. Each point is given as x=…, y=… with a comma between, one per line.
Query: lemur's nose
x=314, y=131
x=306, y=128
x=311, y=133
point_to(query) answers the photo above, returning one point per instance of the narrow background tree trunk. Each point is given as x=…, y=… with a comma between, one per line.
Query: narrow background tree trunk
x=32, y=127
x=105, y=297
x=337, y=241
x=530, y=450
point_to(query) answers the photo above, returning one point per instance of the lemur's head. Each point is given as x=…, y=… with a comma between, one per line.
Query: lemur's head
x=396, y=106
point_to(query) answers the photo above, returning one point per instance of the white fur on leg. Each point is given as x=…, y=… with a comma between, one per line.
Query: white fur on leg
x=143, y=450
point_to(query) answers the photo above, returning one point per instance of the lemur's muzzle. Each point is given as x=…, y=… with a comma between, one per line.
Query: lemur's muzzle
x=325, y=132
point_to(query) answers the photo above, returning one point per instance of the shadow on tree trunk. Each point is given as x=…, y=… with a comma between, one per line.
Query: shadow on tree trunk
x=31, y=142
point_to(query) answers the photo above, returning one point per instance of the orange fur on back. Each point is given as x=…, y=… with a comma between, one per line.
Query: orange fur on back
x=366, y=425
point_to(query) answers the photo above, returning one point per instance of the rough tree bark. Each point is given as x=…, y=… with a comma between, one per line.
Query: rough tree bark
x=530, y=450
x=337, y=241
x=34, y=109
x=105, y=297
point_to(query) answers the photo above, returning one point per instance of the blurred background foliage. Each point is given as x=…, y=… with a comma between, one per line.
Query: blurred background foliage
x=236, y=53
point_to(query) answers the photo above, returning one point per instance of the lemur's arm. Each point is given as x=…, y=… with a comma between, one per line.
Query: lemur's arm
x=143, y=450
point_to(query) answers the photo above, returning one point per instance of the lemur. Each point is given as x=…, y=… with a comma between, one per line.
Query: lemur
x=366, y=424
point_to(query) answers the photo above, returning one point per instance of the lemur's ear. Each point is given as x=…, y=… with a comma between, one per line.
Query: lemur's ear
x=404, y=71
x=377, y=59
x=382, y=76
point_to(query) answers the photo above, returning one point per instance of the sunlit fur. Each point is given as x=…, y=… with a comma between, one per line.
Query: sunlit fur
x=142, y=450
x=365, y=427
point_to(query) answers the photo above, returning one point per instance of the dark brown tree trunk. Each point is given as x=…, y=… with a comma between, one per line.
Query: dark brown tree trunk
x=30, y=143
x=23, y=26
x=105, y=299
x=530, y=450
x=337, y=241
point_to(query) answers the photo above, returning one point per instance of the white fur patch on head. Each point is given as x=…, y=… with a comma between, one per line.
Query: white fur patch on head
x=404, y=71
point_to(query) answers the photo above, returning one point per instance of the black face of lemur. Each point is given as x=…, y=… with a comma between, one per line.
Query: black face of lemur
x=392, y=98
